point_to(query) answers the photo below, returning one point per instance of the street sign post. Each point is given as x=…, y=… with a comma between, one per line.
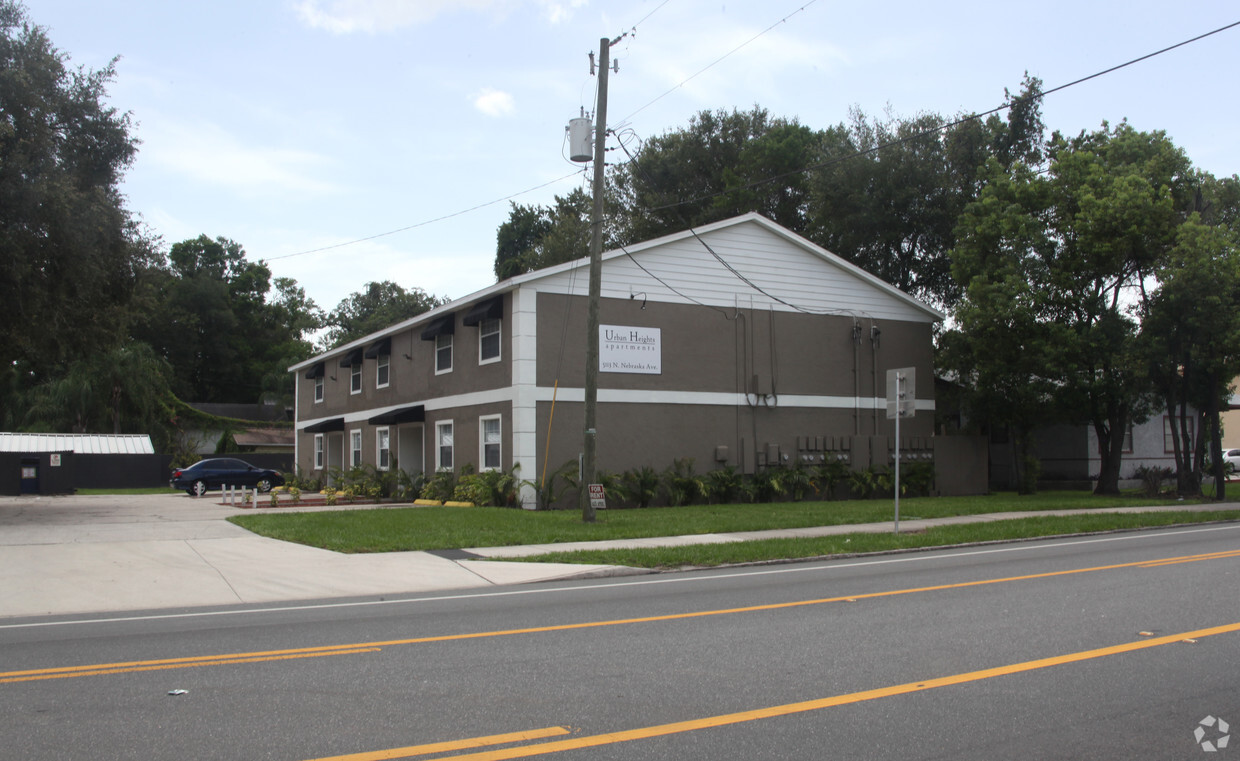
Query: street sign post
x=901, y=402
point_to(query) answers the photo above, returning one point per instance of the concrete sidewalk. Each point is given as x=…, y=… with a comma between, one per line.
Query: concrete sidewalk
x=90, y=554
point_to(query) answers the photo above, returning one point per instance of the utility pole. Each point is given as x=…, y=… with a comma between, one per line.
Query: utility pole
x=589, y=451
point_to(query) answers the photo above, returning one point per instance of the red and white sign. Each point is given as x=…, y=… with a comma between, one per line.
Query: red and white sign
x=598, y=500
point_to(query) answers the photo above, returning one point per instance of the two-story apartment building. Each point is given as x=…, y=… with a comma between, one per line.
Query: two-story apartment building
x=739, y=343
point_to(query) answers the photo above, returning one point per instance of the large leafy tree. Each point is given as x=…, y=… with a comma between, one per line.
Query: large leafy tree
x=376, y=306
x=1191, y=342
x=124, y=390
x=887, y=194
x=1080, y=238
x=69, y=251
x=721, y=165
x=535, y=237
x=212, y=319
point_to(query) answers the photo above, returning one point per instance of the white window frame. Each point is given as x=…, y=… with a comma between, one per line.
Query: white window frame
x=443, y=342
x=355, y=447
x=318, y=389
x=318, y=451
x=383, y=371
x=483, y=443
x=383, y=448
x=355, y=378
x=440, y=427
x=484, y=334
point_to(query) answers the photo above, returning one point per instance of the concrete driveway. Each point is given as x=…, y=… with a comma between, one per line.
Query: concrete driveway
x=86, y=554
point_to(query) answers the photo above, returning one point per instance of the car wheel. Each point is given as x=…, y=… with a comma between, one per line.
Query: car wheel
x=198, y=488
x=263, y=486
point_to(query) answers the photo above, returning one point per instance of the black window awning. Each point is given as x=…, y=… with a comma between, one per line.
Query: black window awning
x=326, y=426
x=315, y=371
x=351, y=358
x=491, y=309
x=440, y=326
x=412, y=414
x=379, y=348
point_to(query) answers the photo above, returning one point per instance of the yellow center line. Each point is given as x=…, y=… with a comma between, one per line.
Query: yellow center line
x=96, y=669
x=177, y=663
x=445, y=747
x=1192, y=559
x=661, y=730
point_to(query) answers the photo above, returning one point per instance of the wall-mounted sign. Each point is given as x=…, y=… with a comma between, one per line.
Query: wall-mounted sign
x=629, y=350
x=55, y=461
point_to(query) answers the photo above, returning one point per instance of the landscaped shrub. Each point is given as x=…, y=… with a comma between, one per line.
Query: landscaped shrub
x=916, y=479
x=641, y=485
x=863, y=483
x=766, y=485
x=798, y=481
x=440, y=486
x=1152, y=477
x=549, y=489
x=829, y=475
x=723, y=485
x=490, y=488
x=682, y=484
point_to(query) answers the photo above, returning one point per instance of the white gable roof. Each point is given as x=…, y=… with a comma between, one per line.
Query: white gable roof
x=740, y=262
x=746, y=261
x=78, y=443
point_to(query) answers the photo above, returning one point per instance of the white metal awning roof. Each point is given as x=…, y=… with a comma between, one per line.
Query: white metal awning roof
x=86, y=443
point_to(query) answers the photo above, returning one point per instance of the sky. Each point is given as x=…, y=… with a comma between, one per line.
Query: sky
x=350, y=141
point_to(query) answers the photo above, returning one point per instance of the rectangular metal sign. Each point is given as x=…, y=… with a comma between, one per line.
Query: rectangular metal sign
x=901, y=392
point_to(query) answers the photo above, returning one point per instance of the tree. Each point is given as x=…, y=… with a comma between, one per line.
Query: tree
x=1191, y=331
x=210, y=316
x=723, y=164
x=375, y=307
x=887, y=194
x=68, y=248
x=535, y=237
x=120, y=391
x=1076, y=238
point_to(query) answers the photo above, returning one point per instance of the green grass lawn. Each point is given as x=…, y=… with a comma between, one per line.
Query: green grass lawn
x=847, y=544
x=435, y=528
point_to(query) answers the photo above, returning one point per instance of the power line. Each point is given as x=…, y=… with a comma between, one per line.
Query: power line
x=717, y=60
x=948, y=125
x=425, y=222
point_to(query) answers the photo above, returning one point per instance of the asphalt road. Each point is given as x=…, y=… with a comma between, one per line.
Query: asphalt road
x=1109, y=647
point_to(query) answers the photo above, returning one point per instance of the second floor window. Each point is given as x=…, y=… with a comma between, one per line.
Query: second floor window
x=318, y=389
x=383, y=371
x=488, y=341
x=443, y=354
x=355, y=379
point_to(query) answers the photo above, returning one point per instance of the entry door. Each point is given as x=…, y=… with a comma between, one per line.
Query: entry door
x=334, y=456
x=410, y=454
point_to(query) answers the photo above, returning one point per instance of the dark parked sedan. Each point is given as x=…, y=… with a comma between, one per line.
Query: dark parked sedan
x=221, y=472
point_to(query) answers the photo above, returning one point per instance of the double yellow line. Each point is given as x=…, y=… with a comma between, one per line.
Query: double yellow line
x=104, y=669
x=661, y=730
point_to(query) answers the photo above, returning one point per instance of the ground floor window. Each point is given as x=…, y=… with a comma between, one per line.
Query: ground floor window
x=383, y=447
x=489, y=438
x=1168, y=421
x=443, y=438
x=318, y=451
x=355, y=448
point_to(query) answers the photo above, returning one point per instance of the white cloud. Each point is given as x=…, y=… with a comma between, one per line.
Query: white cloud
x=207, y=153
x=371, y=16
x=558, y=12
x=494, y=102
